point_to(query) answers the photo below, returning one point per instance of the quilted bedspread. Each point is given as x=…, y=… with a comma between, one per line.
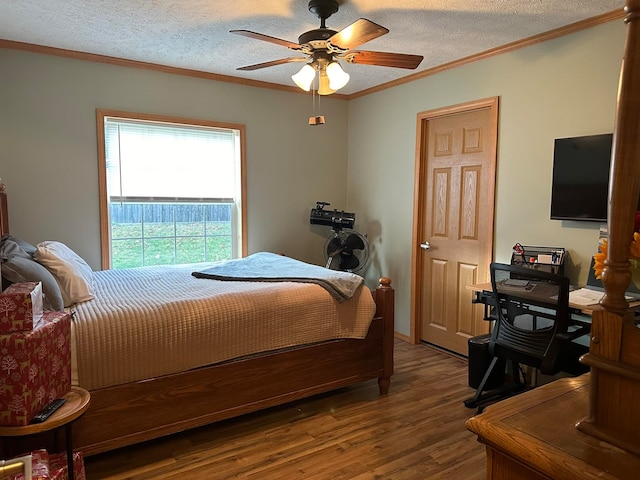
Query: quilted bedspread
x=271, y=267
x=151, y=321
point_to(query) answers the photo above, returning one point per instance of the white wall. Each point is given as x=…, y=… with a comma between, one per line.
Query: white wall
x=48, y=154
x=564, y=87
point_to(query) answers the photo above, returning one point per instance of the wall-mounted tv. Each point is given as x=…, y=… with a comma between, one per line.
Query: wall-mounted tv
x=581, y=178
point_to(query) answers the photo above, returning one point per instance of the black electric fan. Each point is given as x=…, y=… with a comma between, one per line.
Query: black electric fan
x=345, y=249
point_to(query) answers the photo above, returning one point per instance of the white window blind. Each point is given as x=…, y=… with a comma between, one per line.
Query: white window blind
x=153, y=160
x=173, y=192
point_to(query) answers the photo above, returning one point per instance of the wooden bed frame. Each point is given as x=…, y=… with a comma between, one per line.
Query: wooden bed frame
x=135, y=412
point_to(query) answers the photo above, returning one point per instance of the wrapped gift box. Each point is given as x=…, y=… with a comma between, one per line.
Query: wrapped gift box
x=20, y=307
x=53, y=467
x=36, y=368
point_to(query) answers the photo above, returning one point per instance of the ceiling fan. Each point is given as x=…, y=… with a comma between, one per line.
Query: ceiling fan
x=323, y=48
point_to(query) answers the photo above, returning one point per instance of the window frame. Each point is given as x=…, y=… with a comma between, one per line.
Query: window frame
x=105, y=230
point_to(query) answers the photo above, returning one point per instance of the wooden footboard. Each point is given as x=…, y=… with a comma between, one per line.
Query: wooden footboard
x=127, y=414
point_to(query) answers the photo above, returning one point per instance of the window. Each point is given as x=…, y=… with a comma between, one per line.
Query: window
x=171, y=190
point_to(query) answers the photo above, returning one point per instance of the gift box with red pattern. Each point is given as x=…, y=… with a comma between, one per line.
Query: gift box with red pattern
x=20, y=307
x=36, y=368
x=53, y=467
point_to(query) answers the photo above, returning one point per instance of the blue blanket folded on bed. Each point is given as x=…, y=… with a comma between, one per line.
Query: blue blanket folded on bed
x=270, y=267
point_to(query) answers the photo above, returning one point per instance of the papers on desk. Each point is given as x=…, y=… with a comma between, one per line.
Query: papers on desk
x=585, y=296
x=589, y=296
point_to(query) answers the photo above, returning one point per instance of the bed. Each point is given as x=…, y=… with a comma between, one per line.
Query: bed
x=143, y=397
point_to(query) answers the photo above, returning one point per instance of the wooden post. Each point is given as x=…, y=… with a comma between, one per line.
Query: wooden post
x=385, y=301
x=614, y=355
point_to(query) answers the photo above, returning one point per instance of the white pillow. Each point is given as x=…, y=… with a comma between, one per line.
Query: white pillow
x=73, y=274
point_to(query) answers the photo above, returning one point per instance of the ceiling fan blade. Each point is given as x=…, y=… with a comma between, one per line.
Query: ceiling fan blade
x=384, y=59
x=272, y=63
x=359, y=32
x=267, y=38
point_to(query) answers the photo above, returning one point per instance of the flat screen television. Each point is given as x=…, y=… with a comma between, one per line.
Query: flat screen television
x=581, y=178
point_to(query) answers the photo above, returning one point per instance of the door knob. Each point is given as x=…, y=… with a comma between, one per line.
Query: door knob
x=425, y=246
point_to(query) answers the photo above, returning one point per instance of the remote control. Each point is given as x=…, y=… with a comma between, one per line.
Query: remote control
x=47, y=411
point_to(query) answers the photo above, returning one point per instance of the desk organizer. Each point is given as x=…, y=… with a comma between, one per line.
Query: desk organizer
x=548, y=259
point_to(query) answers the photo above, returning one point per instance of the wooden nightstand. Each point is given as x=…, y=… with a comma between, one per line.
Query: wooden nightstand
x=77, y=402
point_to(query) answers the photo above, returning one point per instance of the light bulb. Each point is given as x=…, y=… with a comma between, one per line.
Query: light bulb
x=324, y=88
x=338, y=78
x=304, y=77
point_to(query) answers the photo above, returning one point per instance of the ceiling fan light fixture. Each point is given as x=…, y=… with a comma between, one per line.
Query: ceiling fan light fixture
x=338, y=78
x=324, y=87
x=304, y=77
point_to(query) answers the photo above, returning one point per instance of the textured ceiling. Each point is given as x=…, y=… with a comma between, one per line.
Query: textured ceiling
x=194, y=34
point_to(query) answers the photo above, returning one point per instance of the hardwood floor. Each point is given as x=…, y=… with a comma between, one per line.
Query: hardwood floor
x=415, y=432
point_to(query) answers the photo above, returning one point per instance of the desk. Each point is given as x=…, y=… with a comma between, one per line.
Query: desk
x=487, y=288
x=77, y=402
x=533, y=437
x=584, y=309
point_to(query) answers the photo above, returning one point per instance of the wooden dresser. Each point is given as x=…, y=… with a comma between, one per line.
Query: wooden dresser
x=533, y=436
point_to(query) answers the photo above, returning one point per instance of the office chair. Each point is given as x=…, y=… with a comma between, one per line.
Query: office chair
x=531, y=327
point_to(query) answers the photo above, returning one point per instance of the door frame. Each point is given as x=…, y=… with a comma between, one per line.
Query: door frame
x=419, y=192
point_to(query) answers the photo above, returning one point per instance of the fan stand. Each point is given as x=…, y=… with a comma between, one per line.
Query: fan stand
x=336, y=231
x=330, y=261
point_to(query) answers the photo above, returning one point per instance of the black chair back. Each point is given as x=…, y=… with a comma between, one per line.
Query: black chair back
x=532, y=309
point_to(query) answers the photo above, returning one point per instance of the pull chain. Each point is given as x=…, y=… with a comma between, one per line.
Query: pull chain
x=315, y=119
